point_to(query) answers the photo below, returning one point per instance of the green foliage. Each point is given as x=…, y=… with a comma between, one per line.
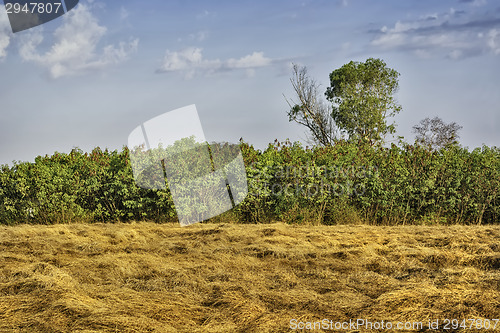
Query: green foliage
x=349, y=182
x=362, y=94
x=355, y=182
x=78, y=186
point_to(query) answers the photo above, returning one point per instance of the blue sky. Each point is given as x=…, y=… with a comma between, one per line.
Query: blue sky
x=90, y=77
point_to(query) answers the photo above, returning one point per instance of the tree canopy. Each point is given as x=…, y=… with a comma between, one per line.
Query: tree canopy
x=362, y=99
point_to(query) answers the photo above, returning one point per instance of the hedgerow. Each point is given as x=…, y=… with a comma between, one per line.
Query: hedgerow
x=344, y=183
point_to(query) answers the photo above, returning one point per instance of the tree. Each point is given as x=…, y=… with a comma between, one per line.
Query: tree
x=435, y=133
x=310, y=110
x=362, y=97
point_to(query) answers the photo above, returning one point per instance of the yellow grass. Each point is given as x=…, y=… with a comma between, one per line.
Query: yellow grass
x=148, y=277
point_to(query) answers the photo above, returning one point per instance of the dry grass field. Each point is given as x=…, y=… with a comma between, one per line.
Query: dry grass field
x=147, y=277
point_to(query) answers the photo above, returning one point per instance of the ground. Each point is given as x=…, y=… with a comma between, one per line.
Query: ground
x=146, y=277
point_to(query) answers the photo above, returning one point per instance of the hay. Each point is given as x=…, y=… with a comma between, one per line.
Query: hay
x=147, y=277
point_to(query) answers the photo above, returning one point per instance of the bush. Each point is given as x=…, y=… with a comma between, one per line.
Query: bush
x=345, y=183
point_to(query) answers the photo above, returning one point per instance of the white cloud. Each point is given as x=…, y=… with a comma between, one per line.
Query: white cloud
x=205, y=14
x=455, y=54
x=75, y=46
x=5, y=33
x=449, y=34
x=190, y=61
x=433, y=16
x=253, y=60
x=494, y=40
x=389, y=39
x=199, y=36
x=124, y=14
x=477, y=3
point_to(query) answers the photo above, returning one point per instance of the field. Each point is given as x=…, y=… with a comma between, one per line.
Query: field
x=146, y=277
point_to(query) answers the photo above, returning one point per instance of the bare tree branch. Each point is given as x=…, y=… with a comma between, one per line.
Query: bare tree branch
x=310, y=110
x=435, y=133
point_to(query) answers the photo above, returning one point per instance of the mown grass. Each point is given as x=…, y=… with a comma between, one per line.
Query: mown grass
x=145, y=277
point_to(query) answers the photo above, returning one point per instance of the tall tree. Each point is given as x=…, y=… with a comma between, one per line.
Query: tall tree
x=435, y=133
x=309, y=109
x=362, y=97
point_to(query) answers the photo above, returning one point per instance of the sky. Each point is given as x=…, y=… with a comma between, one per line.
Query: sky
x=88, y=78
